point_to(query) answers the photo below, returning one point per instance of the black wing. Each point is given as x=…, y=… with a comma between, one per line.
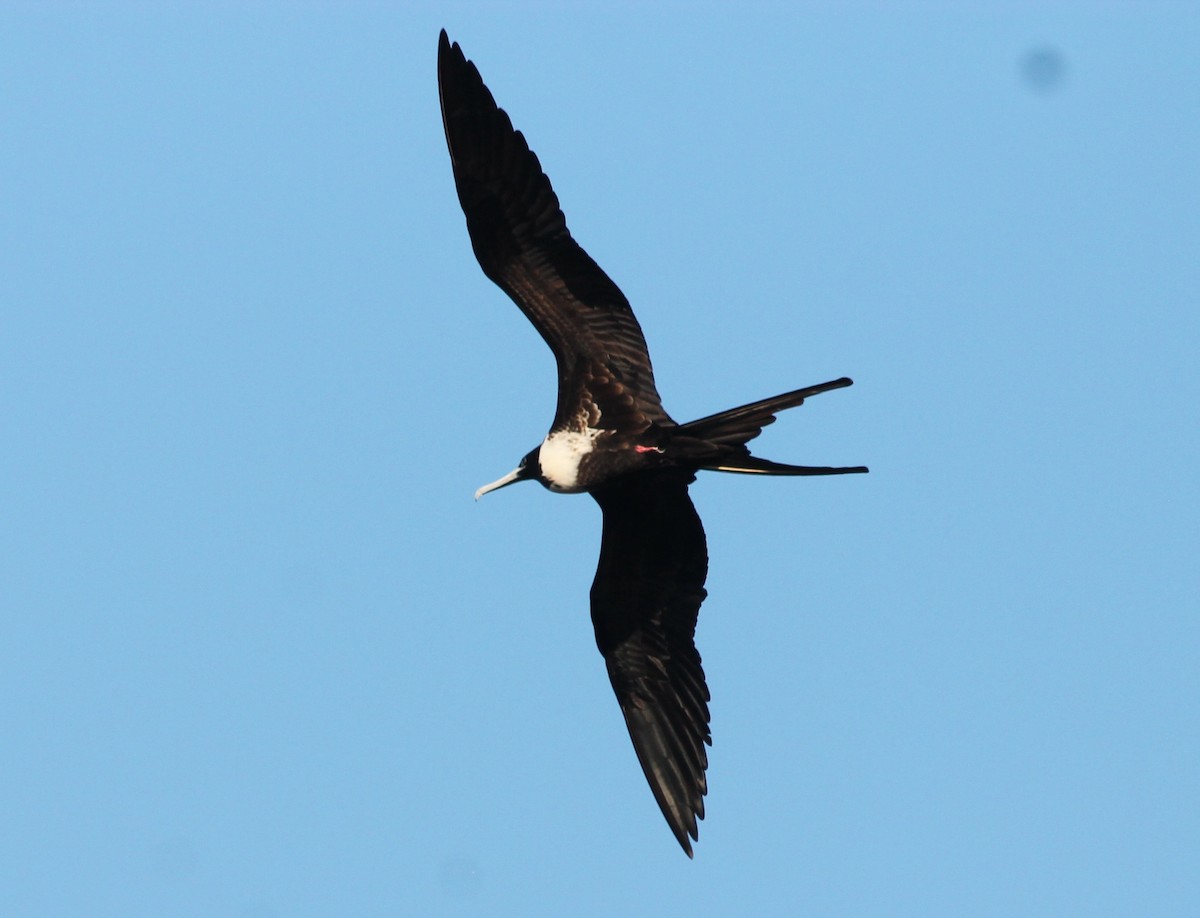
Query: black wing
x=645, y=599
x=521, y=240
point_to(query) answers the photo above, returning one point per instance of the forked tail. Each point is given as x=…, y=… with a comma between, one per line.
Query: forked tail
x=730, y=431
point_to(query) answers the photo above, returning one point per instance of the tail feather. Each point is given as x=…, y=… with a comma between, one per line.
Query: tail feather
x=730, y=431
x=739, y=426
x=752, y=465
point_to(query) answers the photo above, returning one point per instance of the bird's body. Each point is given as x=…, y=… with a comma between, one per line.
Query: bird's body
x=610, y=438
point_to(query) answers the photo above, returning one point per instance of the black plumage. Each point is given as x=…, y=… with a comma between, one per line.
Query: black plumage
x=610, y=437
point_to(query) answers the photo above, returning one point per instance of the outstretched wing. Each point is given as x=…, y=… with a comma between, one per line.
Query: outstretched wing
x=645, y=600
x=521, y=240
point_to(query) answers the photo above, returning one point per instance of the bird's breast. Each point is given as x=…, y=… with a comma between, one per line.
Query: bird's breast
x=561, y=456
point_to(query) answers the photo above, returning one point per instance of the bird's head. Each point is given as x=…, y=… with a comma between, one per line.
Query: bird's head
x=530, y=469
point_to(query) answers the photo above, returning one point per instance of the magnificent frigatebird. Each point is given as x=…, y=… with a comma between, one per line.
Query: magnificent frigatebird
x=611, y=438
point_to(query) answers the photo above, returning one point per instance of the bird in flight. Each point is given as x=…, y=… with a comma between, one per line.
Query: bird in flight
x=612, y=438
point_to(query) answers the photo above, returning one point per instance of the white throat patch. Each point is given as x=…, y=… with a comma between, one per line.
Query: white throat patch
x=561, y=454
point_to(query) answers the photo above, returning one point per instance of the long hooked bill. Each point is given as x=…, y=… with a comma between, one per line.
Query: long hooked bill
x=508, y=479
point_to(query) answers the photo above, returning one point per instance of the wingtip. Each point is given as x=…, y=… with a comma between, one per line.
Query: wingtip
x=686, y=837
x=446, y=47
x=684, y=834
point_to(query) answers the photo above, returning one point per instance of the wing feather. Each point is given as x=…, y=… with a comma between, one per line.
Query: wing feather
x=645, y=601
x=521, y=240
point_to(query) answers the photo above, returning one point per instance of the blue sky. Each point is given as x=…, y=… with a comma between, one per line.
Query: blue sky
x=262, y=655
